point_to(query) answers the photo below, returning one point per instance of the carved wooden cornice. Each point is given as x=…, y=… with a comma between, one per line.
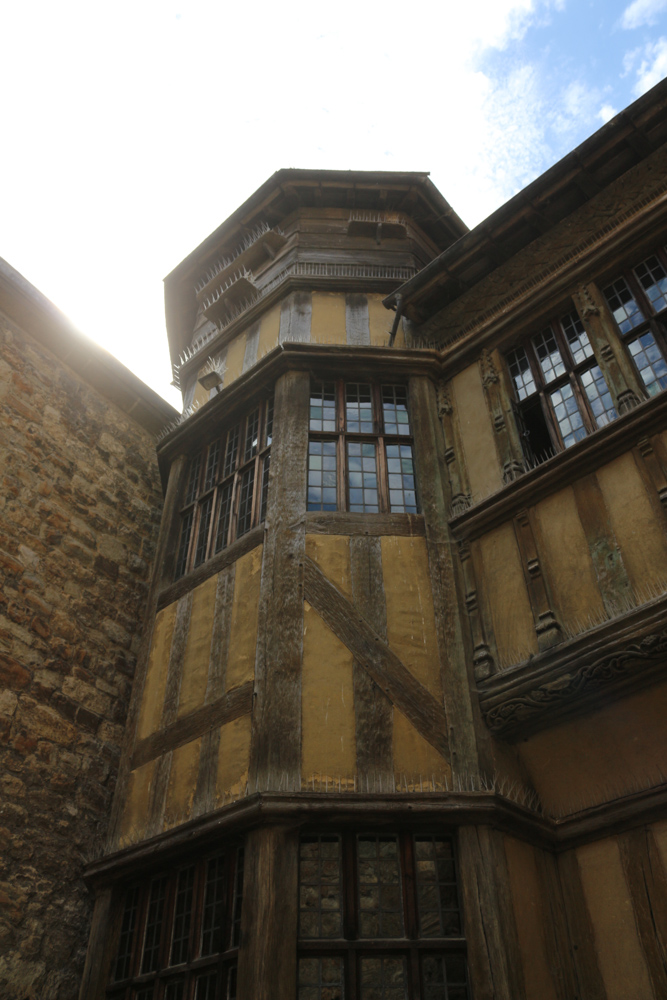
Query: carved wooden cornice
x=621, y=656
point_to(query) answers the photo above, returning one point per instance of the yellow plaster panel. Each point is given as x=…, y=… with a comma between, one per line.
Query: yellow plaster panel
x=479, y=448
x=327, y=702
x=604, y=755
x=197, y=653
x=380, y=321
x=505, y=589
x=243, y=629
x=566, y=560
x=529, y=916
x=332, y=555
x=416, y=762
x=269, y=331
x=152, y=698
x=620, y=955
x=235, y=354
x=182, y=783
x=135, y=810
x=640, y=535
x=233, y=759
x=410, y=617
x=327, y=325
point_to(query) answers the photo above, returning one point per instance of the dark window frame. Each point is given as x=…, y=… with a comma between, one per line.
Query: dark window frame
x=378, y=436
x=351, y=947
x=159, y=983
x=215, y=477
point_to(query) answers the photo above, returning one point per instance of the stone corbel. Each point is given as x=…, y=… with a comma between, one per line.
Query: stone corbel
x=506, y=434
x=624, y=385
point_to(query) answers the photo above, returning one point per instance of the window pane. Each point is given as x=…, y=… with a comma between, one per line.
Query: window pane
x=358, y=408
x=362, y=477
x=519, y=366
x=323, y=406
x=321, y=978
x=212, y=465
x=567, y=414
x=269, y=421
x=202, y=535
x=653, y=280
x=154, y=924
x=265, y=487
x=320, y=890
x=182, y=916
x=621, y=302
x=211, y=937
x=206, y=984
x=650, y=362
x=384, y=978
x=401, y=477
x=245, y=501
x=380, y=902
x=444, y=976
x=548, y=355
x=577, y=337
x=174, y=990
x=184, y=544
x=322, y=475
x=251, y=436
x=232, y=450
x=231, y=982
x=599, y=396
x=224, y=516
x=395, y=410
x=193, y=479
x=238, y=899
x=128, y=927
x=437, y=896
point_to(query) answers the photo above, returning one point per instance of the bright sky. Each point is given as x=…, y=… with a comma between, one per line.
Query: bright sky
x=131, y=130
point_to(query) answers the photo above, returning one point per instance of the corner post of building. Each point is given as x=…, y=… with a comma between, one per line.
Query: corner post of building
x=104, y=930
x=267, y=954
x=624, y=384
x=464, y=727
x=276, y=726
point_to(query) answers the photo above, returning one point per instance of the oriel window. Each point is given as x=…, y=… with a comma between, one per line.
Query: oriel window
x=227, y=488
x=380, y=917
x=360, y=452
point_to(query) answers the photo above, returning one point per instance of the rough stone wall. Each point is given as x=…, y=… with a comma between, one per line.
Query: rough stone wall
x=79, y=511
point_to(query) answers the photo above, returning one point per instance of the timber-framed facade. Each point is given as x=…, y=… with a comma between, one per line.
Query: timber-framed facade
x=397, y=727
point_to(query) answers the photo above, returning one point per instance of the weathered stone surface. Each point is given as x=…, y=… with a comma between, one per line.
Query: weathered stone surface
x=79, y=511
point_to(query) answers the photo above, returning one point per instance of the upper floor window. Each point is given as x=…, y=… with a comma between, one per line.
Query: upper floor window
x=360, y=455
x=380, y=918
x=638, y=300
x=227, y=488
x=180, y=931
x=561, y=392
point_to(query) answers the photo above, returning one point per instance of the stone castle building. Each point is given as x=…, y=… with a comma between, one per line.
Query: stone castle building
x=396, y=634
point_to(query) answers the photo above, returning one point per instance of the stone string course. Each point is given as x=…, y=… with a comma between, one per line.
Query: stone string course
x=80, y=508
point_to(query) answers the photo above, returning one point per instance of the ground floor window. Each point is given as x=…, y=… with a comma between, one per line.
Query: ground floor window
x=380, y=918
x=179, y=934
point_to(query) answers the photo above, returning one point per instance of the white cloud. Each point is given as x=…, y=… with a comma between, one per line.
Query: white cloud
x=642, y=12
x=606, y=113
x=653, y=66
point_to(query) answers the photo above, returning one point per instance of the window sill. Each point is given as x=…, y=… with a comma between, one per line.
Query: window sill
x=621, y=656
x=340, y=522
x=564, y=468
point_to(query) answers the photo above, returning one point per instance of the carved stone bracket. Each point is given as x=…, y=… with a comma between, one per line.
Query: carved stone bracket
x=564, y=683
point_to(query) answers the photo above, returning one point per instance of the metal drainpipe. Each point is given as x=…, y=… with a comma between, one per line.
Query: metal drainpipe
x=397, y=318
